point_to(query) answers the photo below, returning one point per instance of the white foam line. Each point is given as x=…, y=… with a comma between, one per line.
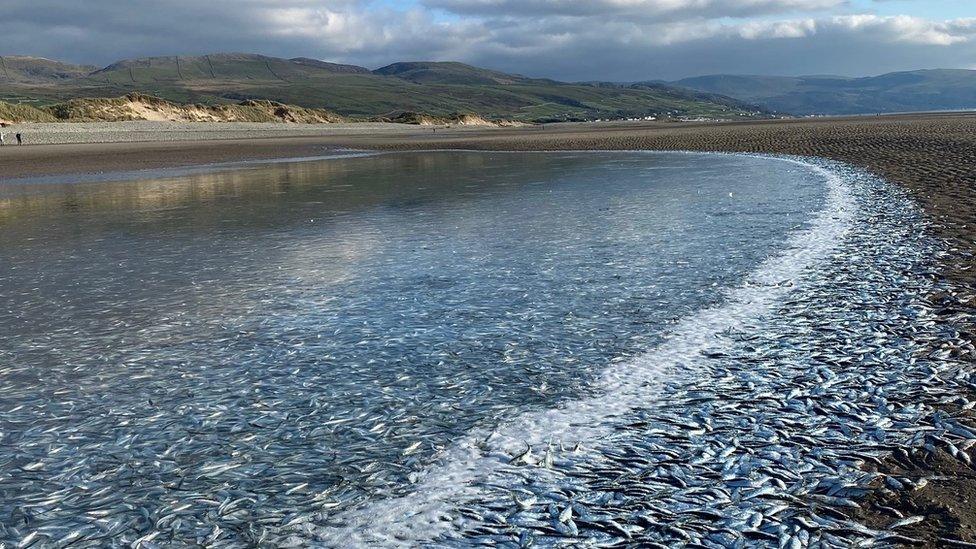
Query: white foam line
x=426, y=512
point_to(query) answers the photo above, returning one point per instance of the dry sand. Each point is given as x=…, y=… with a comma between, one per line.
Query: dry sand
x=931, y=155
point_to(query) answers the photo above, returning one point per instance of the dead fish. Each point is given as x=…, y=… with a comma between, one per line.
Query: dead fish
x=524, y=457
x=908, y=521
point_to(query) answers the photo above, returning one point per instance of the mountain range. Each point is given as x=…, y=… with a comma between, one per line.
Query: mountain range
x=447, y=88
x=434, y=88
x=923, y=90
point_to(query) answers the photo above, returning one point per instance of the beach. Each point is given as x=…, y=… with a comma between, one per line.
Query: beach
x=929, y=155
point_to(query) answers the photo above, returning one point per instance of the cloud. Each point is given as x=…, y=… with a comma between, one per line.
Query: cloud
x=639, y=9
x=832, y=45
x=889, y=29
x=574, y=40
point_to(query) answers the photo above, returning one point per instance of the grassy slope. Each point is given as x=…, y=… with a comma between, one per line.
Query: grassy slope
x=13, y=112
x=435, y=88
x=19, y=68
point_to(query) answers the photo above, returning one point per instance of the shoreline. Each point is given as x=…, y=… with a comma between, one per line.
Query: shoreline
x=79, y=147
x=933, y=156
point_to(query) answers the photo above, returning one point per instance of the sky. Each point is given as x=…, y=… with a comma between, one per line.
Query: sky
x=575, y=40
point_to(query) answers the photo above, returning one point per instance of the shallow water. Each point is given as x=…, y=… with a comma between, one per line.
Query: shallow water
x=197, y=358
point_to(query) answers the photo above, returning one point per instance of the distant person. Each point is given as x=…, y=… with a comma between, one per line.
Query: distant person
x=1, y=139
x=20, y=139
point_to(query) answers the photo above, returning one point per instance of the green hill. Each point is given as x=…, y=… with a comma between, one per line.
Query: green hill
x=424, y=72
x=437, y=89
x=19, y=68
x=223, y=67
x=924, y=90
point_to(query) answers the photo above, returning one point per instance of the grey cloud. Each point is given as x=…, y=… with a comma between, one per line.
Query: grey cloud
x=830, y=50
x=100, y=31
x=580, y=49
x=593, y=40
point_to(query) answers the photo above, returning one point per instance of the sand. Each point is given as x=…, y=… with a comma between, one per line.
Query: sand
x=931, y=155
x=142, y=131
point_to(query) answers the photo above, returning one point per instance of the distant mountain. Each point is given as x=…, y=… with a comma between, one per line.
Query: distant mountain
x=221, y=66
x=923, y=90
x=431, y=88
x=19, y=68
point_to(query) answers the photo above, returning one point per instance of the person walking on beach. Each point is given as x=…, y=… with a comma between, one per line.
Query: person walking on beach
x=1, y=139
x=20, y=140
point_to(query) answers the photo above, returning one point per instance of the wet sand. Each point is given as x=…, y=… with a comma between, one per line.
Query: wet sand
x=931, y=155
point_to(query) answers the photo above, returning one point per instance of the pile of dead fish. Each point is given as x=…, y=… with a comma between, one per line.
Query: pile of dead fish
x=195, y=393
x=769, y=444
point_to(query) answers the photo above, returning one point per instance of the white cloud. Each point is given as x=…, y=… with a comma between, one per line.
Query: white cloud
x=642, y=9
x=884, y=29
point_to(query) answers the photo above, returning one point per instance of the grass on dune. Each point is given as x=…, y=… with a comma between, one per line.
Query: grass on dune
x=15, y=112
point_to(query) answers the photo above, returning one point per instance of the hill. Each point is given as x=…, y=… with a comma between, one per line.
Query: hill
x=219, y=68
x=924, y=90
x=434, y=89
x=453, y=73
x=19, y=68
